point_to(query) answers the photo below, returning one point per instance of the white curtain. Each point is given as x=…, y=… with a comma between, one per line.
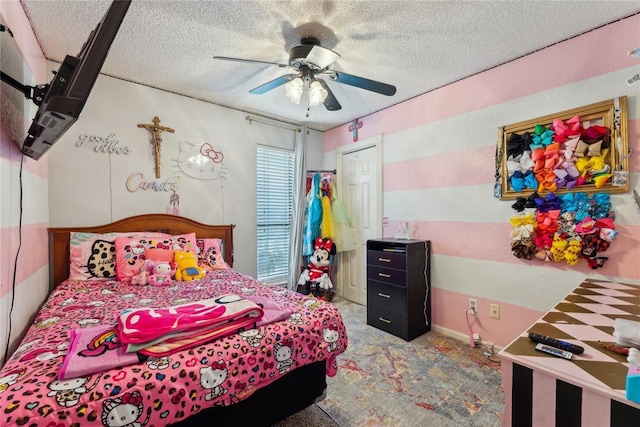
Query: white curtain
x=299, y=198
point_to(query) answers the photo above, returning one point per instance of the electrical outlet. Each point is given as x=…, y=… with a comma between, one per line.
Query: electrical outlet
x=473, y=305
x=494, y=311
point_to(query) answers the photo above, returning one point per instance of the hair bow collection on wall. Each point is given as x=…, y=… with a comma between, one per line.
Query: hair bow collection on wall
x=565, y=228
x=563, y=155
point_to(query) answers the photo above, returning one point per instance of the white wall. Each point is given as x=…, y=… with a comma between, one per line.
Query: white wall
x=89, y=188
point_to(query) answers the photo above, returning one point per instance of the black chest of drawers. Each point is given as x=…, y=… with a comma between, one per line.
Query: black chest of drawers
x=398, y=286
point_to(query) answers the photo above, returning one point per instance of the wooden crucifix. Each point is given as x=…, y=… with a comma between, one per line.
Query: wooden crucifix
x=156, y=129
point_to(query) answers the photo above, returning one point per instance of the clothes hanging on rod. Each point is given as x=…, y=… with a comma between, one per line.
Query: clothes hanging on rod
x=313, y=216
x=329, y=217
x=327, y=229
x=344, y=239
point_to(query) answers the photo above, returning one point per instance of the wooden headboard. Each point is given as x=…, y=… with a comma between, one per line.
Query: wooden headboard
x=59, y=260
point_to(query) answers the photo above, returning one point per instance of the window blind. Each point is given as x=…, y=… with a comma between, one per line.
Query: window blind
x=274, y=172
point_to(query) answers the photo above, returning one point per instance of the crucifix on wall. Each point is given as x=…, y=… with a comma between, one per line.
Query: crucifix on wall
x=353, y=128
x=155, y=130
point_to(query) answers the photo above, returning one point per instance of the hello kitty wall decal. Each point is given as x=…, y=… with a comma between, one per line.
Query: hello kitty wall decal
x=204, y=162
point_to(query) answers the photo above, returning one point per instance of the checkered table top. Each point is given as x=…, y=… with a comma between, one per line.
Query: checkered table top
x=583, y=317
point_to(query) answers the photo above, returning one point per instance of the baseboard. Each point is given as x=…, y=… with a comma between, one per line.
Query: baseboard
x=462, y=337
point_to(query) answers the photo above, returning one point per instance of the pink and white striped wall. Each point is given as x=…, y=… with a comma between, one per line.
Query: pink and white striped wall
x=444, y=141
x=32, y=275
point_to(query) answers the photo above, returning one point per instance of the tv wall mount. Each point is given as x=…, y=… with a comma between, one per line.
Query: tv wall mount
x=34, y=93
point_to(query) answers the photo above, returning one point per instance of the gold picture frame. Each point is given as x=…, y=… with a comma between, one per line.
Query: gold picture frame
x=611, y=114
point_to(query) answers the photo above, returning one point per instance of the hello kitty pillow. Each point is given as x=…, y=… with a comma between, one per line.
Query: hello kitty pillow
x=210, y=255
x=130, y=252
x=92, y=256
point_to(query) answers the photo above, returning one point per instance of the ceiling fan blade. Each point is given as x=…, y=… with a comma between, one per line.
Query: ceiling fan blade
x=321, y=57
x=362, y=83
x=227, y=58
x=330, y=102
x=273, y=84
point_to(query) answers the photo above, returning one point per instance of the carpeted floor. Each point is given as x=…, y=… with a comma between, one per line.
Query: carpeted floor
x=382, y=380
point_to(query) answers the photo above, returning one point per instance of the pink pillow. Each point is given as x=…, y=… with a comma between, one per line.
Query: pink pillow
x=210, y=256
x=157, y=254
x=130, y=251
x=92, y=256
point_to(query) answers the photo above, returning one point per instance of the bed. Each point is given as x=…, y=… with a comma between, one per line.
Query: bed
x=256, y=377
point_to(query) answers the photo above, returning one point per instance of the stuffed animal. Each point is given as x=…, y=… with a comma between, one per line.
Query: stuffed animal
x=161, y=272
x=141, y=278
x=187, y=266
x=316, y=274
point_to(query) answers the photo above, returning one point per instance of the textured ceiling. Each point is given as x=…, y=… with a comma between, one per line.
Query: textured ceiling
x=416, y=46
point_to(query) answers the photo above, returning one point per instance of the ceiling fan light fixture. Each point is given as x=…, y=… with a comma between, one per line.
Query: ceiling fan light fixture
x=294, y=90
x=317, y=94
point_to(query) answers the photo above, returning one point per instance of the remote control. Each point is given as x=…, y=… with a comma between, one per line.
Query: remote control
x=554, y=351
x=562, y=345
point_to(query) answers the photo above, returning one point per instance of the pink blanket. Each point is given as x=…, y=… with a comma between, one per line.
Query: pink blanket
x=162, y=331
x=94, y=349
x=273, y=312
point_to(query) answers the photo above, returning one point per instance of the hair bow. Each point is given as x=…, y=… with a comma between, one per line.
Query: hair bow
x=522, y=203
x=608, y=234
x=518, y=221
x=584, y=150
x=207, y=150
x=594, y=133
x=517, y=144
x=542, y=135
x=333, y=327
x=521, y=162
x=550, y=202
x=566, y=130
x=132, y=398
x=323, y=244
x=597, y=262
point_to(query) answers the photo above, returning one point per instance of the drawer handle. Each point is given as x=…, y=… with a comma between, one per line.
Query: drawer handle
x=384, y=275
x=384, y=259
x=384, y=295
x=382, y=319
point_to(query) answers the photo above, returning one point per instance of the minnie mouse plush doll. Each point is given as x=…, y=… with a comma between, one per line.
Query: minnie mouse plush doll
x=316, y=274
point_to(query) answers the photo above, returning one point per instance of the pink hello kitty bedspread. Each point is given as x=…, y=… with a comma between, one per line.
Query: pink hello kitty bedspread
x=161, y=390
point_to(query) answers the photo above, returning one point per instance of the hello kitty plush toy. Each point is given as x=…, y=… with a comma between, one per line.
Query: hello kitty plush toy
x=161, y=272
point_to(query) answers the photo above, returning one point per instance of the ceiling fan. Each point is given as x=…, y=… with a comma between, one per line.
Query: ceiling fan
x=310, y=60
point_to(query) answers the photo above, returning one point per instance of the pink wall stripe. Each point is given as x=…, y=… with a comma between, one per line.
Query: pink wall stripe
x=33, y=253
x=490, y=242
x=543, y=411
x=448, y=311
x=498, y=85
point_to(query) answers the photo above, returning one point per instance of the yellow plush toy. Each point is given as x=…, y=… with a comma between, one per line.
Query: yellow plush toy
x=187, y=266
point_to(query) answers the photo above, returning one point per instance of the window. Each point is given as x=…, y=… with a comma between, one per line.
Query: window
x=274, y=171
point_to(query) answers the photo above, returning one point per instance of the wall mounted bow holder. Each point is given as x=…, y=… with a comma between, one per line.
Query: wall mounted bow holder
x=584, y=149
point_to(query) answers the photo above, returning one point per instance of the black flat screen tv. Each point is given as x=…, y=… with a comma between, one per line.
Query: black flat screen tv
x=70, y=88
